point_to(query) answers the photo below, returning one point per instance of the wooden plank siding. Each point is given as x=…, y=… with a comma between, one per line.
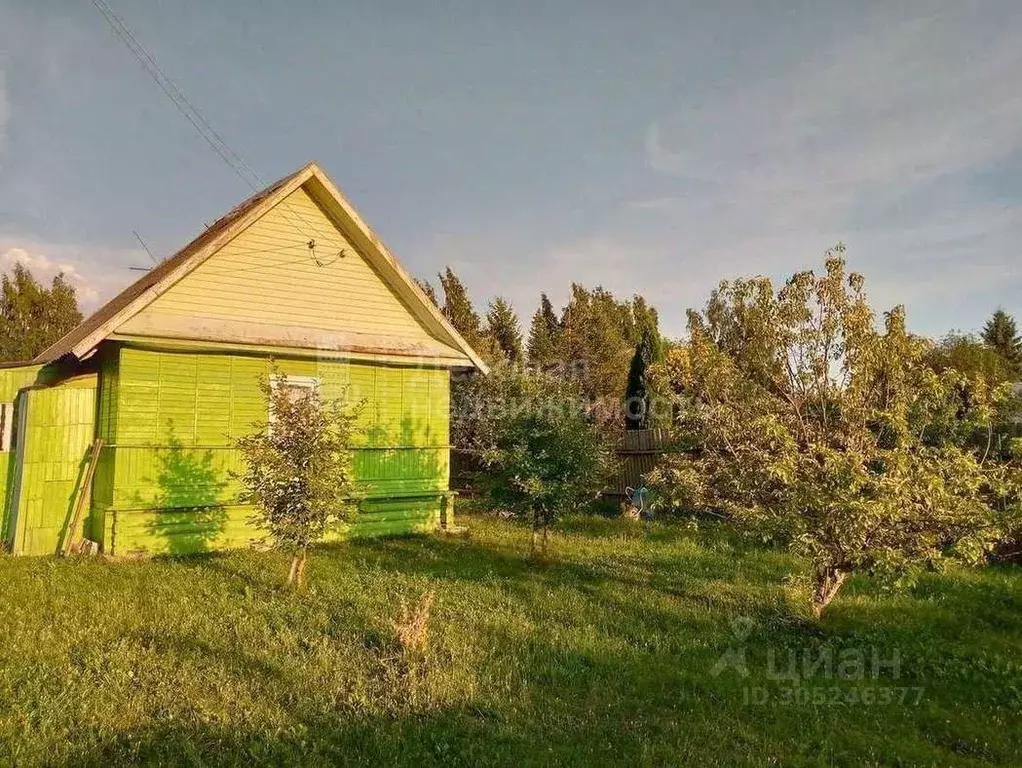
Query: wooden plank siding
x=265, y=285
x=12, y=380
x=57, y=425
x=170, y=418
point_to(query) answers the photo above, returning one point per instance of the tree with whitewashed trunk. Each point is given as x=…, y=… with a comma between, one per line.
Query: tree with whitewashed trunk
x=818, y=429
x=299, y=469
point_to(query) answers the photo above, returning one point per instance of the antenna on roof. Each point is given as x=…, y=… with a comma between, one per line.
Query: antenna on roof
x=146, y=247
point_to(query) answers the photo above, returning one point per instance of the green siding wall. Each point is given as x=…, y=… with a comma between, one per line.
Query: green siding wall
x=11, y=381
x=57, y=425
x=169, y=420
x=14, y=378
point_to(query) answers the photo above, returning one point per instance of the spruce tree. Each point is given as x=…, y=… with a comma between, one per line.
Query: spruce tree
x=1001, y=335
x=543, y=334
x=429, y=290
x=458, y=308
x=503, y=330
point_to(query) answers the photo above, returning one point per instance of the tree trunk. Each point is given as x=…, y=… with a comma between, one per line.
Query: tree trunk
x=296, y=577
x=540, y=527
x=826, y=583
x=301, y=567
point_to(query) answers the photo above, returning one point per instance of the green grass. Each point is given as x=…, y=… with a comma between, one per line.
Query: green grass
x=603, y=655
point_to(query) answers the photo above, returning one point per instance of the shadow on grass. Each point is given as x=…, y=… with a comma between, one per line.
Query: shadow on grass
x=450, y=559
x=449, y=737
x=734, y=582
x=598, y=655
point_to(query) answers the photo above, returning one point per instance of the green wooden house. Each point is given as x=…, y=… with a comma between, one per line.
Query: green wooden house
x=167, y=374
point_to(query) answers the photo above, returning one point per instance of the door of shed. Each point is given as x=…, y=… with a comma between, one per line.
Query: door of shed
x=55, y=431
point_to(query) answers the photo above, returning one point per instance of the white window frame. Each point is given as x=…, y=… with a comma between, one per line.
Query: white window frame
x=6, y=426
x=302, y=382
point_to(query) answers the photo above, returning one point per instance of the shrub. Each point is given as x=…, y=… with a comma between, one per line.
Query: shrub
x=541, y=454
x=299, y=469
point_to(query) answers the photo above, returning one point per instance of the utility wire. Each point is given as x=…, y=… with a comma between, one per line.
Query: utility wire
x=194, y=116
x=175, y=94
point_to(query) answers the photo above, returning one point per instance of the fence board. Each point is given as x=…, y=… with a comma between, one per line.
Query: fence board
x=637, y=453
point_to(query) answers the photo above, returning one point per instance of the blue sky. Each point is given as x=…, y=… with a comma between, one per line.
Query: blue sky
x=651, y=147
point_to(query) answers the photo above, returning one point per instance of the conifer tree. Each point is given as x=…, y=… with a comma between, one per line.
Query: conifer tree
x=638, y=395
x=543, y=334
x=503, y=330
x=429, y=290
x=1001, y=334
x=458, y=308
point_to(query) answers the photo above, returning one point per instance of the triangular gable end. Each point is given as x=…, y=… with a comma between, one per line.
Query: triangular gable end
x=258, y=281
x=267, y=286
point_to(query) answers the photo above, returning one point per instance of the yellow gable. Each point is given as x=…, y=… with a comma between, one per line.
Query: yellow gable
x=266, y=286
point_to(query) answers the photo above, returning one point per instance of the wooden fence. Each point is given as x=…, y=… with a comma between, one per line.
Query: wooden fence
x=637, y=453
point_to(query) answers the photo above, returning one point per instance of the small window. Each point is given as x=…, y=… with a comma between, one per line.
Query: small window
x=296, y=387
x=6, y=425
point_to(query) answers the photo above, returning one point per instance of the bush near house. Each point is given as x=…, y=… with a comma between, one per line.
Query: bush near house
x=541, y=454
x=299, y=471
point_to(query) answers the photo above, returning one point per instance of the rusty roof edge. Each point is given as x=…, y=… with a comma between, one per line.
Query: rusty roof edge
x=100, y=324
x=108, y=311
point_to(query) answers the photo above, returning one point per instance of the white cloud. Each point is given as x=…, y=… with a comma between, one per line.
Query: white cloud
x=45, y=269
x=86, y=268
x=876, y=140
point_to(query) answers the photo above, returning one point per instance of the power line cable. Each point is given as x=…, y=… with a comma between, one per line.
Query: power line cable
x=172, y=91
x=194, y=116
x=144, y=246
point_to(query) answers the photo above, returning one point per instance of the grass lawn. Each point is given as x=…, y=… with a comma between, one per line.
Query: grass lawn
x=607, y=654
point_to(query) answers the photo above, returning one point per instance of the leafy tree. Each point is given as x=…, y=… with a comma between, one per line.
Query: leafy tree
x=639, y=394
x=978, y=361
x=542, y=456
x=817, y=429
x=503, y=329
x=299, y=471
x=1001, y=335
x=597, y=340
x=33, y=317
x=643, y=320
x=543, y=334
x=970, y=355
